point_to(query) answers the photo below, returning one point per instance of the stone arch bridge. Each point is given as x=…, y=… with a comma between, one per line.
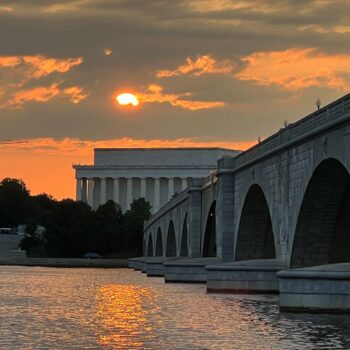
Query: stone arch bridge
x=284, y=203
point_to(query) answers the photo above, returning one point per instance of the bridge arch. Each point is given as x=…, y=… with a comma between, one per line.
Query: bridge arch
x=150, y=246
x=255, y=239
x=209, y=243
x=159, y=243
x=184, y=243
x=171, y=240
x=322, y=233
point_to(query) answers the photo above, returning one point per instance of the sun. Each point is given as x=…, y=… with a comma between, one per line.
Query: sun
x=126, y=99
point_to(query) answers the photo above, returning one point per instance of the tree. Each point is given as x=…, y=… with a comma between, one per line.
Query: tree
x=14, y=202
x=31, y=239
x=39, y=206
x=108, y=222
x=140, y=210
x=69, y=229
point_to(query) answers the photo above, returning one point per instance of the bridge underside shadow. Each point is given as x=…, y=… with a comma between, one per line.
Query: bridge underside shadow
x=150, y=246
x=209, y=245
x=254, y=270
x=323, y=229
x=193, y=270
x=171, y=241
x=184, y=244
x=320, y=280
x=159, y=244
x=255, y=236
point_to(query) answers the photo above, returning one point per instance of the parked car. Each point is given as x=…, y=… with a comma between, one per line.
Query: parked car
x=92, y=255
x=7, y=231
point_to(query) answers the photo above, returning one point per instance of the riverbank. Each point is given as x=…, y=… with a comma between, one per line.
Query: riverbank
x=64, y=262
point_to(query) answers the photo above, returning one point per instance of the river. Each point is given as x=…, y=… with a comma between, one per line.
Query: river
x=51, y=308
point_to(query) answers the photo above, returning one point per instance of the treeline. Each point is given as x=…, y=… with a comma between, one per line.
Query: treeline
x=72, y=228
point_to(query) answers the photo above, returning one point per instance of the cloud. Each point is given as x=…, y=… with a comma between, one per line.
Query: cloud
x=340, y=29
x=38, y=66
x=202, y=65
x=291, y=69
x=154, y=94
x=6, y=9
x=38, y=94
x=78, y=147
x=44, y=94
x=75, y=94
x=296, y=69
x=19, y=73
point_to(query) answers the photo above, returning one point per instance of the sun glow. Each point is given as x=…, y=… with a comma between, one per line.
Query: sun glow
x=126, y=99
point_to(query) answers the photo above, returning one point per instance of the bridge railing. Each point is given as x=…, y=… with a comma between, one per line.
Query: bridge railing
x=178, y=198
x=211, y=178
x=322, y=117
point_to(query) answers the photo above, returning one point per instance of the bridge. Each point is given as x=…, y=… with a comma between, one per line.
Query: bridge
x=275, y=218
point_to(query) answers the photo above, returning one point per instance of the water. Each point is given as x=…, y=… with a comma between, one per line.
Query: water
x=48, y=308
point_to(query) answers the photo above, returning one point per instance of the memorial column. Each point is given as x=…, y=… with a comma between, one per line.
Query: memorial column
x=170, y=188
x=183, y=184
x=128, y=192
x=79, y=190
x=116, y=195
x=103, y=194
x=90, y=185
x=84, y=190
x=143, y=188
x=156, y=203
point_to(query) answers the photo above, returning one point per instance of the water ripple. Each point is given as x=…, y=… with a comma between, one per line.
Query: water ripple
x=48, y=308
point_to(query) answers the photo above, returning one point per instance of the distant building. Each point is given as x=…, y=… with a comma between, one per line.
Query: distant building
x=124, y=174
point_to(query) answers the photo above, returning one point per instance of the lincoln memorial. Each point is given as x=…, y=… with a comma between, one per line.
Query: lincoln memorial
x=125, y=174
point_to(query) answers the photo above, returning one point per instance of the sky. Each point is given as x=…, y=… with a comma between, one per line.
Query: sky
x=206, y=72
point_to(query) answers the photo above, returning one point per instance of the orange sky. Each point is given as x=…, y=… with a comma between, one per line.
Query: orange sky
x=45, y=165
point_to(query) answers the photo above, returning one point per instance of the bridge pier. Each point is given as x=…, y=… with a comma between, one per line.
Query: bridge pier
x=136, y=263
x=188, y=270
x=317, y=289
x=250, y=276
x=154, y=266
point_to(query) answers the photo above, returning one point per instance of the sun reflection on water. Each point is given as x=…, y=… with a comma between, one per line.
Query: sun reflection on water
x=124, y=316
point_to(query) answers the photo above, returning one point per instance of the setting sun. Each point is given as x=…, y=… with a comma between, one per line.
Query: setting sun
x=127, y=99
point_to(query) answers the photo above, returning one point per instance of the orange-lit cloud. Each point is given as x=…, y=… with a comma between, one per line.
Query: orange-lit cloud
x=75, y=94
x=78, y=147
x=340, y=29
x=38, y=66
x=154, y=94
x=17, y=74
x=291, y=69
x=46, y=164
x=44, y=94
x=202, y=65
x=296, y=69
x=6, y=9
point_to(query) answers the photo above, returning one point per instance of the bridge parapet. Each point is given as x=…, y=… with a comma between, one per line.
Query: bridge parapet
x=174, y=202
x=316, y=122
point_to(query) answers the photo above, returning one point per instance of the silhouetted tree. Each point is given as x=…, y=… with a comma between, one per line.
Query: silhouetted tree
x=39, y=206
x=69, y=229
x=14, y=202
x=30, y=238
x=108, y=223
x=72, y=228
x=140, y=210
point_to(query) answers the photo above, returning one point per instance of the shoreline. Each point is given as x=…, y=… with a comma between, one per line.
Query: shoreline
x=64, y=262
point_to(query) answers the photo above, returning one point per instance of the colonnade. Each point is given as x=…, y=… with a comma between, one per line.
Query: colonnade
x=94, y=190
